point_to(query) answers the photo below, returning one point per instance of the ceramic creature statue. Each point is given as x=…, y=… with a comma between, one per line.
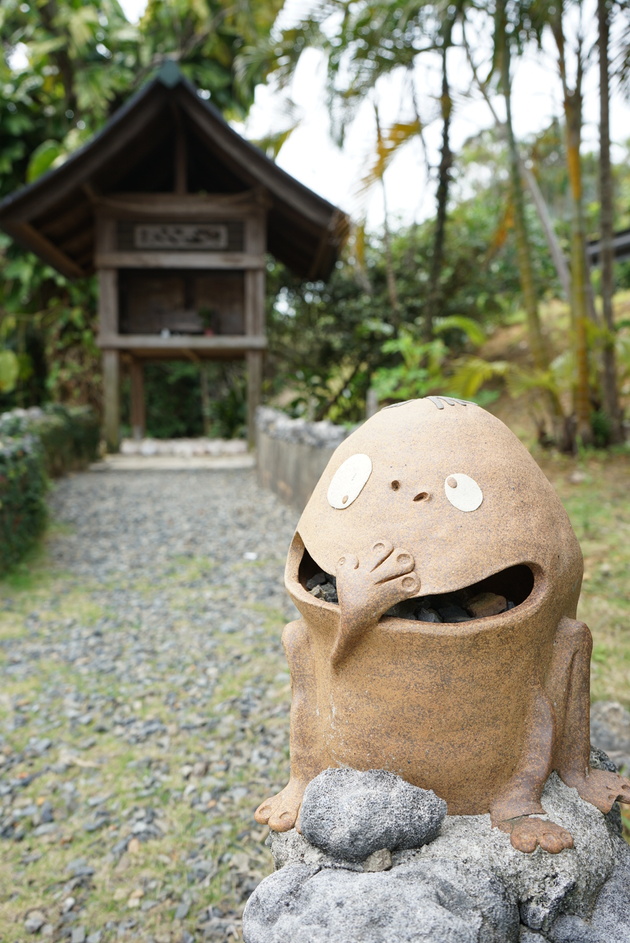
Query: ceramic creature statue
x=452, y=655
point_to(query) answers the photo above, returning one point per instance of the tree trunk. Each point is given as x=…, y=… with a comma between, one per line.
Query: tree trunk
x=609, y=367
x=558, y=256
x=434, y=291
x=580, y=276
x=538, y=345
x=579, y=272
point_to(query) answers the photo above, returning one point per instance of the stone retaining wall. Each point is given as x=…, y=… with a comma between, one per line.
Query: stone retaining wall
x=292, y=453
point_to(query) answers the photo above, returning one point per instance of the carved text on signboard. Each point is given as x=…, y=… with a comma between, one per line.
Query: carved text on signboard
x=190, y=236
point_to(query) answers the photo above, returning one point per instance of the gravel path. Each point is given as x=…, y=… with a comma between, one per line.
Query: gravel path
x=143, y=710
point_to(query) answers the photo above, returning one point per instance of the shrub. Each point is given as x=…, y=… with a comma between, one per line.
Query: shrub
x=22, y=504
x=36, y=444
x=69, y=435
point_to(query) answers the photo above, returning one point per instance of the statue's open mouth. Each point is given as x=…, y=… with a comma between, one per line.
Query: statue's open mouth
x=490, y=596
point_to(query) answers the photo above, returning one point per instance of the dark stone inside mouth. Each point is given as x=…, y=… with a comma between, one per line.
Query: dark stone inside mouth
x=489, y=597
x=323, y=586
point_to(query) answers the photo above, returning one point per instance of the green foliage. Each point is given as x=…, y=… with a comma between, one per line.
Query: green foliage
x=36, y=444
x=9, y=370
x=22, y=504
x=227, y=415
x=424, y=366
x=325, y=342
x=42, y=159
x=174, y=402
x=68, y=436
x=330, y=342
x=48, y=323
x=205, y=37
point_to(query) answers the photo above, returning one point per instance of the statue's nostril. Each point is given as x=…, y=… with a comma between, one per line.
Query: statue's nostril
x=423, y=496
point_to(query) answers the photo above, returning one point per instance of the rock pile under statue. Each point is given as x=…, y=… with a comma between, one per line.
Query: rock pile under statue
x=437, y=576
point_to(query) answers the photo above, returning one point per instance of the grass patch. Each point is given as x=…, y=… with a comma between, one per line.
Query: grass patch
x=594, y=490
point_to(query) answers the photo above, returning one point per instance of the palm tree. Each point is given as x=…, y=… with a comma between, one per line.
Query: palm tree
x=609, y=371
x=580, y=278
x=434, y=292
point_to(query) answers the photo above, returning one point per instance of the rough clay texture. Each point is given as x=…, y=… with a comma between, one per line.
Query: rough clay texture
x=468, y=884
x=351, y=814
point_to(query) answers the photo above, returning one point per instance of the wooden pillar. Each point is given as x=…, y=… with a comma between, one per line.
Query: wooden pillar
x=108, y=323
x=254, y=385
x=254, y=325
x=256, y=244
x=111, y=399
x=138, y=411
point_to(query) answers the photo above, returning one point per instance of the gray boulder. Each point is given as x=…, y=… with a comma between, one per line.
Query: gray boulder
x=467, y=885
x=351, y=814
x=611, y=916
x=434, y=902
x=545, y=885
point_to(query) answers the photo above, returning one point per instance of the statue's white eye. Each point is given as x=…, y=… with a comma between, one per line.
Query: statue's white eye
x=349, y=480
x=463, y=492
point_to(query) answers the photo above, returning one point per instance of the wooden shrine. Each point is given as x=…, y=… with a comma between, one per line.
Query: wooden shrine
x=175, y=212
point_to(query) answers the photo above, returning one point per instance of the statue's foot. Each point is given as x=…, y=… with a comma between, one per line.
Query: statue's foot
x=280, y=812
x=528, y=833
x=600, y=787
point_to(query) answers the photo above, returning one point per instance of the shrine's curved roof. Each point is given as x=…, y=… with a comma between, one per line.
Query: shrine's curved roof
x=134, y=152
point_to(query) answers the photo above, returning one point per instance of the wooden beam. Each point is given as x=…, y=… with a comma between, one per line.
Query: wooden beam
x=235, y=342
x=179, y=260
x=29, y=237
x=91, y=192
x=105, y=234
x=180, y=170
x=138, y=410
x=256, y=234
x=68, y=220
x=111, y=399
x=193, y=206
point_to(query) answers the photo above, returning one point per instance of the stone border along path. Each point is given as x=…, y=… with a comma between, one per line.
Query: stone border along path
x=143, y=709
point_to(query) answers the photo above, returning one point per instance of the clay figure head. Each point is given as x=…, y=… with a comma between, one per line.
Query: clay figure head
x=454, y=486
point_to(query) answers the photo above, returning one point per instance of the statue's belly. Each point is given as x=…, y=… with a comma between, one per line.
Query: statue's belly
x=448, y=713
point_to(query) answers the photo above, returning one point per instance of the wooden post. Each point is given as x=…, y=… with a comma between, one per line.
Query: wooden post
x=138, y=411
x=254, y=384
x=108, y=324
x=255, y=243
x=111, y=399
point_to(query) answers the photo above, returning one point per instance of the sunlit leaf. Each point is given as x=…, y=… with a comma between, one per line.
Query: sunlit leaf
x=389, y=142
x=9, y=370
x=42, y=159
x=472, y=329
